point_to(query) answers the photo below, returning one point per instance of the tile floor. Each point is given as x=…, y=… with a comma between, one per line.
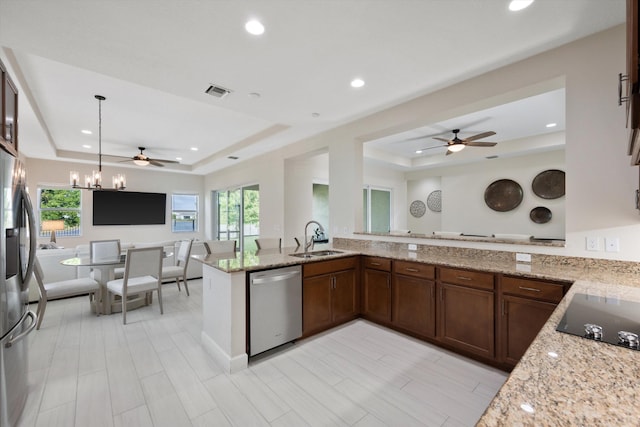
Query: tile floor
x=93, y=371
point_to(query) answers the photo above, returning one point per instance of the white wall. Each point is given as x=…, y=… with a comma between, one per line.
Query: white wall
x=463, y=205
x=600, y=183
x=56, y=174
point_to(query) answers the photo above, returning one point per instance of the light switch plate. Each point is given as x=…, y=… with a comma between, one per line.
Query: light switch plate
x=523, y=257
x=612, y=244
x=413, y=247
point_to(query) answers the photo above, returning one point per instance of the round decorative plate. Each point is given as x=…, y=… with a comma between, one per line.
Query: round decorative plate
x=434, y=201
x=503, y=195
x=549, y=184
x=540, y=215
x=417, y=208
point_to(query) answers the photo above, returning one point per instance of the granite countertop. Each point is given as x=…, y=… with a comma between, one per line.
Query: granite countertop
x=567, y=380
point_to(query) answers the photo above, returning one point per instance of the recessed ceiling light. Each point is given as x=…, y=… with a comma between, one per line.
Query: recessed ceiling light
x=178, y=158
x=86, y=146
x=254, y=27
x=551, y=125
x=517, y=5
x=418, y=151
x=357, y=83
x=194, y=148
x=86, y=132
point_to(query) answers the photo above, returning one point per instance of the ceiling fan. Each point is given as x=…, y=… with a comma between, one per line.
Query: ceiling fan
x=456, y=144
x=142, y=159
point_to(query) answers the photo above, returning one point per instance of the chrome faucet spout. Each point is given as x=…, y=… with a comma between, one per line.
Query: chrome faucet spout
x=309, y=244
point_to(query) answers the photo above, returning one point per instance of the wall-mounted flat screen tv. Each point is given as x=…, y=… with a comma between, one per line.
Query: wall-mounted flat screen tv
x=128, y=208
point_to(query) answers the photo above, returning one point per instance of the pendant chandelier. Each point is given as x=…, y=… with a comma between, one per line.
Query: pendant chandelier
x=94, y=181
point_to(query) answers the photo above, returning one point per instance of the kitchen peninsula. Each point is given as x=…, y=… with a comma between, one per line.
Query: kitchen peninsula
x=561, y=378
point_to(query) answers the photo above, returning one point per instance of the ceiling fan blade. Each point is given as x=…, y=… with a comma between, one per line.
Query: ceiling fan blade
x=435, y=146
x=155, y=163
x=479, y=136
x=480, y=144
x=442, y=139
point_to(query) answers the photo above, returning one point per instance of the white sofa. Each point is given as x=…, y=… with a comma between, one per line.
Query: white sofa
x=54, y=271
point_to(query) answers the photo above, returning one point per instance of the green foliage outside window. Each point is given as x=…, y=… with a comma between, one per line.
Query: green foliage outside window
x=61, y=204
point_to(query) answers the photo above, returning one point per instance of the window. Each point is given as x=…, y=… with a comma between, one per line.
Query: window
x=377, y=210
x=184, y=212
x=56, y=204
x=237, y=216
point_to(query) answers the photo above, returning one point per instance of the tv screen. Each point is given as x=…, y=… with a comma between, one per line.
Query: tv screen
x=128, y=208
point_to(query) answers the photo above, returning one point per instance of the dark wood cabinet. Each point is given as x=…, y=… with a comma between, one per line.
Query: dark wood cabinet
x=8, y=113
x=525, y=306
x=376, y=289
x=329, y=294
x=413, y=298
x=466, y=311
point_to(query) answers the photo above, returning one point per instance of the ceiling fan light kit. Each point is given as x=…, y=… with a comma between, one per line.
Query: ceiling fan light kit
x=94, y=181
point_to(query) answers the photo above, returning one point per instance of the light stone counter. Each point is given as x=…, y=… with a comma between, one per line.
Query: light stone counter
x=564, y=380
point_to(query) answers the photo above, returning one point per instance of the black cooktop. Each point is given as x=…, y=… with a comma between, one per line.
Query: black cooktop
x=605, y=319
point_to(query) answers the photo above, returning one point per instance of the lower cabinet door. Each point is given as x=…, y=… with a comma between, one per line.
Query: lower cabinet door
x=467, y=319
x=345, y=299
x=376, y=303
x=520, y=321
x=316, y=304
x=414, y=305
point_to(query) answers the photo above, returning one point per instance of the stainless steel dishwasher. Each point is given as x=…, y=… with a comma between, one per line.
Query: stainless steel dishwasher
x=275, y=308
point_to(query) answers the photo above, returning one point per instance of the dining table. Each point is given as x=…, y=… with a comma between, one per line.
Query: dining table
x=104, y=271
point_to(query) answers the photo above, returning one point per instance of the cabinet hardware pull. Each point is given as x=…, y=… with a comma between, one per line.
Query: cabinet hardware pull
x=622, y=78
x=413, y=270
x=464, y=278
x=524, y=288
x=375, y=263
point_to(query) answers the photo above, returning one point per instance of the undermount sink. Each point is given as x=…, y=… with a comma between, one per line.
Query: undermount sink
x=316, y=254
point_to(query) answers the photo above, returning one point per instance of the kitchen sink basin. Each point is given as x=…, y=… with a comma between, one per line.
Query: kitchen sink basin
x=316, y=254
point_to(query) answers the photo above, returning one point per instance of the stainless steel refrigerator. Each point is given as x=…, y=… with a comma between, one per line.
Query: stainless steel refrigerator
x=17, y=252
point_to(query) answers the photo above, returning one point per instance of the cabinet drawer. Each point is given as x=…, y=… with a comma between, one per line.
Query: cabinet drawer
x=376, y=263
x=473, y=279
x=415, y=269
x=326, y=267
x=532, y=288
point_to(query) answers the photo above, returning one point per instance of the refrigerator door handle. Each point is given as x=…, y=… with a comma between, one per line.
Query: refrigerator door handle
x=12, y=340
x=32, y=234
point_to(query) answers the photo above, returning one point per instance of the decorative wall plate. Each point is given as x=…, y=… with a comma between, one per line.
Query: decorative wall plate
x=434, y=201
x=549, y=184
x=503, y=195
x=540, y=215
x=417, y=208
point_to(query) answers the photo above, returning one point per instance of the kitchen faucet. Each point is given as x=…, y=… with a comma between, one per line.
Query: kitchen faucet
x=308, y=245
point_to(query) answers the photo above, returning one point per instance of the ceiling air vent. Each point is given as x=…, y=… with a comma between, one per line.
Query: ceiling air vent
x=217, y=91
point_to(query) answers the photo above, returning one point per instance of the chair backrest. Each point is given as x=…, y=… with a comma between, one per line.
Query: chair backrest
x=104, y=250
x=37, y=271
x=183, y=253
x=143, y=262
x=220, y=246
x=269, y=243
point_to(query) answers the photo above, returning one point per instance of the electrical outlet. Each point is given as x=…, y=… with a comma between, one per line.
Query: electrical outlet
x=593, y=244
x=413, y=247
x=523, y=257
x=612, y=244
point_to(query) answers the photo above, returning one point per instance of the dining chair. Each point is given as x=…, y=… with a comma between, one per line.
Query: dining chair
x=62, y=289
x=106, y=250
x=269, y=243
x=179, y=271
x=142, y=275
x=220, y=246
